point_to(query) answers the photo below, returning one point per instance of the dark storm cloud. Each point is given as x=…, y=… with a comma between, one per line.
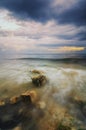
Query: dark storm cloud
x=82, y=36
x=35, y=9
x=42, y=10
x=65, y=37
x=74, y=15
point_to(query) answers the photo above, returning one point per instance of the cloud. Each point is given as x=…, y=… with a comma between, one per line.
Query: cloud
x=70, y=44
x=7, y=23
x=32, y=36
x=82, y=35
x=75, y=14
x=62, y=11
x=24, y=9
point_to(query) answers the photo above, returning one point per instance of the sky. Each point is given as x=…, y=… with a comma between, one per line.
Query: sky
x=43, y=26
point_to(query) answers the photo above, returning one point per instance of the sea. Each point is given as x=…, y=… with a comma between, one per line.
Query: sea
x=61, y=103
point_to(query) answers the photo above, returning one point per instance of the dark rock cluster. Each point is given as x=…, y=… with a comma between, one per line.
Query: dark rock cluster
x=12, y=110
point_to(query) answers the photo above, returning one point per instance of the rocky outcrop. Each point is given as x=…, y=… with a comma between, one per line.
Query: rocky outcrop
x=27, y=97
x=39, y=80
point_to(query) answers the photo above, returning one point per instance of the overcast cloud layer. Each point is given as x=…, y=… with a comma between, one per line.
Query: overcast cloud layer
x=43, y=26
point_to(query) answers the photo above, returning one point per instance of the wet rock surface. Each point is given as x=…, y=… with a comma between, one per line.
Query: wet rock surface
x=2, y=103
x=39, y=80
x=13, y=109
x=37, y=72
x=6, y=121
x=14, y=100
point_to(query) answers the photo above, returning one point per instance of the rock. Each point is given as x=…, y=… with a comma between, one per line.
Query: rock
x=33, y=95
x=29, y=96
x=39, y=80
x=14, y=100
x=17, y=128
x=2, y=103
x=26, y=98
x=37, y=71
x=14, y=110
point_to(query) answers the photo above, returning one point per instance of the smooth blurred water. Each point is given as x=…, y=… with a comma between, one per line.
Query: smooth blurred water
x=64, y=76
x=65, y=79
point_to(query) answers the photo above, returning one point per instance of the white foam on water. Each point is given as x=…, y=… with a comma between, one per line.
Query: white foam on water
x=62, y=81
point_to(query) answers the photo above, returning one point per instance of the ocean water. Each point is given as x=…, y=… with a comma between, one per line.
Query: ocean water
x=61, y=99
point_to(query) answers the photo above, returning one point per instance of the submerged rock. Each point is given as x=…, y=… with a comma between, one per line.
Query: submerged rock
x=39, y=80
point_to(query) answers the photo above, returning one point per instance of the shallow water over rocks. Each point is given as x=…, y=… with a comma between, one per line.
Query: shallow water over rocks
x=61, y=100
